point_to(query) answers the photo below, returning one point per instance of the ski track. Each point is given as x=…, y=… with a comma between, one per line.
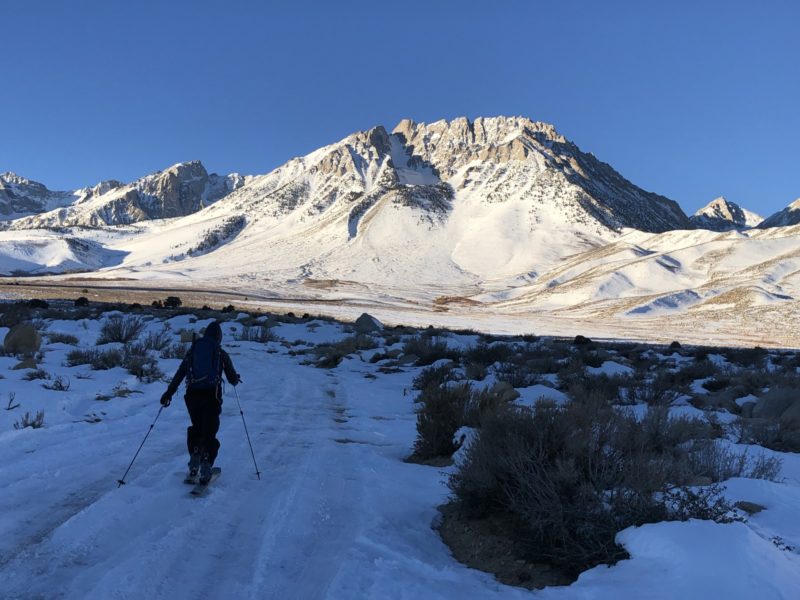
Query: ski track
x=150, y=539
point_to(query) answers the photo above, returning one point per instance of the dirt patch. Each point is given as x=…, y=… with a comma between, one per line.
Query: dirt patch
x=492, y=545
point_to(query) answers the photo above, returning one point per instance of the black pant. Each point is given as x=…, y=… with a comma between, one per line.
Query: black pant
x=204, y=409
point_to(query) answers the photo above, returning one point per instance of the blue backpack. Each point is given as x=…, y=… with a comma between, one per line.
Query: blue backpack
x=205, y=370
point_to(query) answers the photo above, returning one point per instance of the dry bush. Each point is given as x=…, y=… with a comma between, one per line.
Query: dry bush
x=120, y=329
x=432, y=376
x=62, y=338
x=36, y=374
x=330, y=355
x=176, y=350
x=257, y=333
x=99, y=360
x=749, y=358
x=488, y=354
x=32, y=422
x=608, y=389
x=572, y=477
x=428, y=350
x=157, y=340
x=775, y=434
x=58, y=384
x=439, y=415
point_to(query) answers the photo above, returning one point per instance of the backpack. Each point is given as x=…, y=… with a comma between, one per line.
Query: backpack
x=205, y=372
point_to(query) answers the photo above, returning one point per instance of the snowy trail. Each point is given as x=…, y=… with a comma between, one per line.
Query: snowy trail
x=278, y=537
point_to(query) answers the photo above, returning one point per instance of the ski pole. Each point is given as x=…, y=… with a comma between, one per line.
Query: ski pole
x=253, y=454
x=122, y=481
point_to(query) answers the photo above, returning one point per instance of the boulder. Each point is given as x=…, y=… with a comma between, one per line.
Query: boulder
x=504, y=391
x=792, y=414
x=747, y=409
x=22, y=339
x=28, y=363
x=751, y=508
x=367, y=324
x=772, y=406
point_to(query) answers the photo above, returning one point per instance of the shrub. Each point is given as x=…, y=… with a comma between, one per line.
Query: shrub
x=572, y=477
x=38, y=303
x=432, y=376
x=172, y=302
x=32, y=422
x=330, y=355
x=439, y=415
x=428, y=350
x=36, y=374
x=257, y=333
x=488, y=354
x=176, y=350
x=157, y=340
x=99, y=360
x=81, y=302
x=120, y=329
x=62, y=338
x=59, y=384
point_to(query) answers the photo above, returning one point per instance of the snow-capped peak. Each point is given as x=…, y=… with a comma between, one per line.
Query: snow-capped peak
x=723, y=215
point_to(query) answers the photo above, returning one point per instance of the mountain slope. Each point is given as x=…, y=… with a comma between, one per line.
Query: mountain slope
x=21, y=197
x=786, y=217
x=178, y=191
x=723, y=215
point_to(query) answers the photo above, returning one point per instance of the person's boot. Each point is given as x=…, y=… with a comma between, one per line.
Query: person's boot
x=205, y=471
x=194, y=464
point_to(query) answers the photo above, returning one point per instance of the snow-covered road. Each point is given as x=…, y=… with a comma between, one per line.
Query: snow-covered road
x=324, y=521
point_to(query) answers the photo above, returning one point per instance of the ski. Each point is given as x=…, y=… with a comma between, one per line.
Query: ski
x=200, y=488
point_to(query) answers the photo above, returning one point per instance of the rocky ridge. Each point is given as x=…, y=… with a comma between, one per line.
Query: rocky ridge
x=723, y=215
x=180, y=190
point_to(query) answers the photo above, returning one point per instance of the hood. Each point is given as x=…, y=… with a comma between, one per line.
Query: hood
x=214, y=331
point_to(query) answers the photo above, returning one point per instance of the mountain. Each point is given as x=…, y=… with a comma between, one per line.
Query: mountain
x=451, y=201
x=788, y=216
x=20, y=197
x=723, y=215
x=178, y=191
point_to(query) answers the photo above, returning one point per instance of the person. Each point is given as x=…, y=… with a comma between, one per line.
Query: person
x=202, y=367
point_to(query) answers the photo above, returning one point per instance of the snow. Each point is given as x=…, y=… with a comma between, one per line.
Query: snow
x=337, y=514
x=610, y=368
x=692, y=560
x=529, y=396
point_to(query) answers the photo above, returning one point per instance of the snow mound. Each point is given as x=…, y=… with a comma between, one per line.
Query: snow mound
x=692, y=560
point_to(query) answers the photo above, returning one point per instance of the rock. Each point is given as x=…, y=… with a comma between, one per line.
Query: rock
x=772, y=406
x=23, y=339
x=675, y=345
x=504, y=391
x=407, y=359
x=751, y=508
x=187, y=336
x=28, y=363
x=792, y=414
x=747, y=409
x=368, y=324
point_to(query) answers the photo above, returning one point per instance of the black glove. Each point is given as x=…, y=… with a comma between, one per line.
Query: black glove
x=236, y=380
x=166, y=399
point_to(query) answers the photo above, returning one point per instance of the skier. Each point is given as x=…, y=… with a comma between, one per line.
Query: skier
x=203, y=367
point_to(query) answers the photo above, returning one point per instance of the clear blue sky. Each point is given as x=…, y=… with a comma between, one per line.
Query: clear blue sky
x=688, y=99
